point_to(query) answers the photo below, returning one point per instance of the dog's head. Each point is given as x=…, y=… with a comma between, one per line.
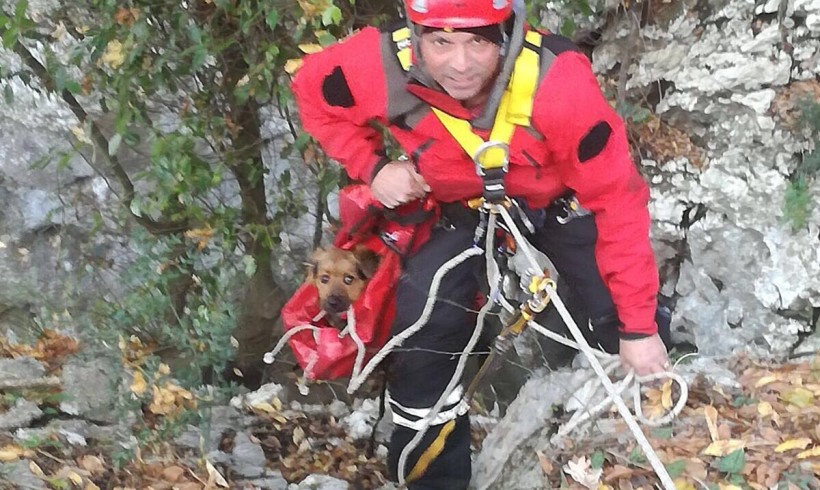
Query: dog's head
x=341, y=275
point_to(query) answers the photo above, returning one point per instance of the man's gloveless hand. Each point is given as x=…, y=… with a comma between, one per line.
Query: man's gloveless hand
x=645, y=356
x=398, y=183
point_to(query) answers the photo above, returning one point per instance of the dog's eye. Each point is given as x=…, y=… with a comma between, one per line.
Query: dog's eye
x=349, y=279
x=324, y=279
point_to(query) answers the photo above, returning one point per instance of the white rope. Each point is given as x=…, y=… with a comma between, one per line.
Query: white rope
x=269, y=356
x=360, y=350
x=462, y=361
x=584, y=347
x=425, y=316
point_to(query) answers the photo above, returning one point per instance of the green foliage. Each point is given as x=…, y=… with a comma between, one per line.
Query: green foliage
x=799, y=201
x=733, y=462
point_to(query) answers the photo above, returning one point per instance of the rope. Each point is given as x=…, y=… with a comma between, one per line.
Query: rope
x=462, y=361
x=584, y=347
x=354, y=335
x=425, y=316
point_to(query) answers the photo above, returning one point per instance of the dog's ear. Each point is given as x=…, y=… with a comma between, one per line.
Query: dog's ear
x=313, y=265
x=367, y=261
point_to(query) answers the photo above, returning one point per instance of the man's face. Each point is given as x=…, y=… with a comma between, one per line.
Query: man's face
x=463, y=63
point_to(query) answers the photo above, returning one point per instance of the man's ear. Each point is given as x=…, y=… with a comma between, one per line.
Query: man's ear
x=367, y=261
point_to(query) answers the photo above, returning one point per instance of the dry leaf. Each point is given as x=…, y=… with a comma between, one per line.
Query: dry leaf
x=726, y=486
x=581, y=471
x=92, y=464
x=800, y=443
x=138, y=384
x=765, y=380
x=75, y=478
x=666, y=395
x=617, y=472
x=809, y=453
x=292, y=66
x=711, y=414
x=214, y=477
x=172, y=473
x=203, y=235
x=310, y=48
x=764, y=409
x=683, y=484
x=35, y=469
x=799, y=397
x=91, y=486
x=114, y=55
x=545, y=463
x=724, y=447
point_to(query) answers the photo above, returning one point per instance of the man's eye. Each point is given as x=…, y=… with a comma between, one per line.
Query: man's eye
x=349, y=280
x=324, y=279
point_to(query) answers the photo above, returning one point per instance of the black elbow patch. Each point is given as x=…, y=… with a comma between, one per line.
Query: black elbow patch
x=335, y=89
x=594, y=142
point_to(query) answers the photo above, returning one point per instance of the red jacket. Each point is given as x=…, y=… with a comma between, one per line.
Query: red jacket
x=342, y=89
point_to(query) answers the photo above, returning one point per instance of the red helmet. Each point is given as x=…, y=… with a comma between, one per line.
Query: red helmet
x=458, y=14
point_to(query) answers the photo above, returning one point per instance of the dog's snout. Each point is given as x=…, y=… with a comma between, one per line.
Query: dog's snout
x=336, y=303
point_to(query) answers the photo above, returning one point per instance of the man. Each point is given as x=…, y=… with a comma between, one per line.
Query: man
x=463, y=62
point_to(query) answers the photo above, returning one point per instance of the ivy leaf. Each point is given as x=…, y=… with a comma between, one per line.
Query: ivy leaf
x=597, y=460
x=676, y=468
x=272, y=19
x=331, y=16
x=733, y=462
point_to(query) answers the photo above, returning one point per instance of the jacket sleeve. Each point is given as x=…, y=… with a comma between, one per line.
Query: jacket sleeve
x=588, y=142
x=338, y=92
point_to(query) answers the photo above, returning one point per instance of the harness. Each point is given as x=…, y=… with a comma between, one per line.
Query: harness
x=491, y=157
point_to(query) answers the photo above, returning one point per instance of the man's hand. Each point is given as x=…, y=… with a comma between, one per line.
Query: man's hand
x=645, y=356
x=398, y=183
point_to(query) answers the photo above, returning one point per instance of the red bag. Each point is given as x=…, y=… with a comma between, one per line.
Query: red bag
x=323, y=351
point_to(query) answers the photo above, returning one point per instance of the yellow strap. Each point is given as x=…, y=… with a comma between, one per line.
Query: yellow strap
x=514, y=109
x=524, y=82
x=462, y=131
x=402, y=39
x=432, y=452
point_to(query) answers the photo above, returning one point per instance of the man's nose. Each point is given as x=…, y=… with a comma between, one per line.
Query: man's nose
x=461, y=59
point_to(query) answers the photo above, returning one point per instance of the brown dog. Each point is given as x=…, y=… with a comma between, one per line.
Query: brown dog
x=341, y=276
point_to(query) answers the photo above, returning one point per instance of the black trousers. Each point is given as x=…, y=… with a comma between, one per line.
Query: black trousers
x=421, y=368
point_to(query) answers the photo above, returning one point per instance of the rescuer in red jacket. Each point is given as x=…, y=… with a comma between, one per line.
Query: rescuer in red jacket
x=568, y=145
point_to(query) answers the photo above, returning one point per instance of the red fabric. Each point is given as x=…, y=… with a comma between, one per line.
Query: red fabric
x=324, y=354
x=544, y=164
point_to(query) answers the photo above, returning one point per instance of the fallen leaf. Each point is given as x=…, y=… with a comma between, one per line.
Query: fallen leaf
x=683, y=484
x=764, y=409
x=724, y=447
x=545, y=463
x=799, y=397
x=92, y=464
x=765, y=380
x=581, y=471
x=666, y=395
x=711, y=414
x=727, y=486
x=35, y=469
x=809, y=453
x=214, y=477
x=138, y=384
x=172, y=474
x=800, y=443
x=91, y=486
x=617, y=472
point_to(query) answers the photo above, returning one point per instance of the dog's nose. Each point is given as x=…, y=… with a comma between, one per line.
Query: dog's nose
x=336, y=304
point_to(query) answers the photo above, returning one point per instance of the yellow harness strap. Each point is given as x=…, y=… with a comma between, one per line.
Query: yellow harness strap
x=514, y=109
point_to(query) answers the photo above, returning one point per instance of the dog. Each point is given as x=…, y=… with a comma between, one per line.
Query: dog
x=341, y=276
